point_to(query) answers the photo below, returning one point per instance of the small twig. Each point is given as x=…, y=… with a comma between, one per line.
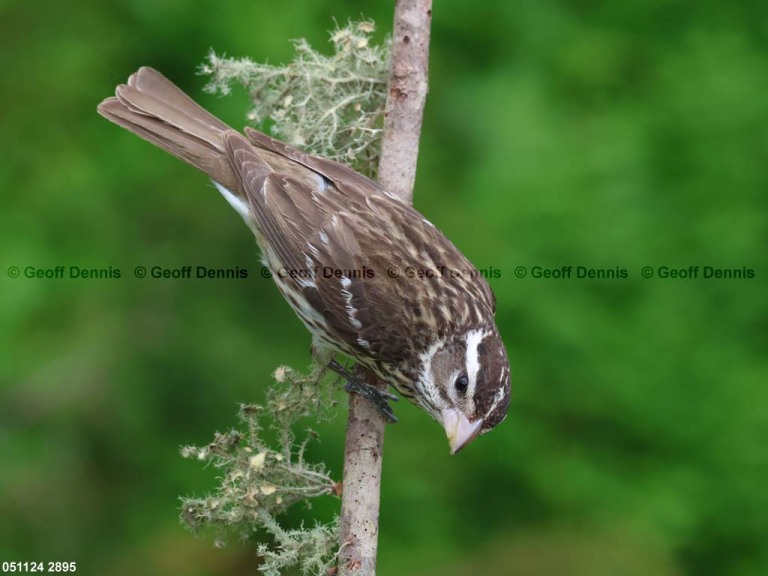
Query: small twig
x=397, y=172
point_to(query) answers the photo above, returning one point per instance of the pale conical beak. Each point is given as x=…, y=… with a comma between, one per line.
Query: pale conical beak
x=459, y=429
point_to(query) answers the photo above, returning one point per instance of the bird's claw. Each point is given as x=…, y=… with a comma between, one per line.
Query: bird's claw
x=378, y=397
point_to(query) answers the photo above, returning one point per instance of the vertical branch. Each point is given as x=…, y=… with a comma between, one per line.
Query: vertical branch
x=397, y=172
x=406, y=98
x=359, y=521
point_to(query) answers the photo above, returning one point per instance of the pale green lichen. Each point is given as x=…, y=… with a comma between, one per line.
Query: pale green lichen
x=329, y=105
x=258, y=481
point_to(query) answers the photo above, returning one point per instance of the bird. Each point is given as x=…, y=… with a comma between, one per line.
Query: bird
x=368, y=275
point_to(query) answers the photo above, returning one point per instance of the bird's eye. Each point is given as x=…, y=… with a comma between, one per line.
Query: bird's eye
x=461, y=384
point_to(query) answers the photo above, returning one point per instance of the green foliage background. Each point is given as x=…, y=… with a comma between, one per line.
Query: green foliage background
x=557, y=132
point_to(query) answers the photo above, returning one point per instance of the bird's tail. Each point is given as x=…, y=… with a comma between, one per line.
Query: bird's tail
x=154, y=108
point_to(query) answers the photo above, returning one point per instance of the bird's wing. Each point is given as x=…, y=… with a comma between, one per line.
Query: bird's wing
x=347, y=180
x=382, y=274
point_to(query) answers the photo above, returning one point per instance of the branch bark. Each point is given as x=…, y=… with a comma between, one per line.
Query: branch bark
x=397, y=172
x=408, y=84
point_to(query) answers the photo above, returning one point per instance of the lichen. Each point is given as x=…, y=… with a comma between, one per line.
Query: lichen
x=259, y=481
x=329, y=105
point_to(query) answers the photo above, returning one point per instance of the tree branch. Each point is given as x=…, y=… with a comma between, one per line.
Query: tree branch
x=397, y=172
x=408, y=82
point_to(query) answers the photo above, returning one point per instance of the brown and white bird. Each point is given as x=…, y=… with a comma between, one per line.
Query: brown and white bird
x=367, y=274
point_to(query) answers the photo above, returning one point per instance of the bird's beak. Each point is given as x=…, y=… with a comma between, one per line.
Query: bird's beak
x=459, y=429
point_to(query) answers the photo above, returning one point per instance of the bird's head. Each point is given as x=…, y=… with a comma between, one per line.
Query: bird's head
x=465, y=385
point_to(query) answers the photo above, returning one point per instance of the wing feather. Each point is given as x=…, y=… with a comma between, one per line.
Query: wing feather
x=315, y=216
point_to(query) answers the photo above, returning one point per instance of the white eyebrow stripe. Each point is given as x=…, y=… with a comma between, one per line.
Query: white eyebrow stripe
x=474, y=338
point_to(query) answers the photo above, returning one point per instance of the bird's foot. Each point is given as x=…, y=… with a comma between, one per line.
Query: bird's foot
x=378, y=397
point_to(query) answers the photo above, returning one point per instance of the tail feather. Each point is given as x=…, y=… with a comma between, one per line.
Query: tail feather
x=155, y=109
x=150, y=82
